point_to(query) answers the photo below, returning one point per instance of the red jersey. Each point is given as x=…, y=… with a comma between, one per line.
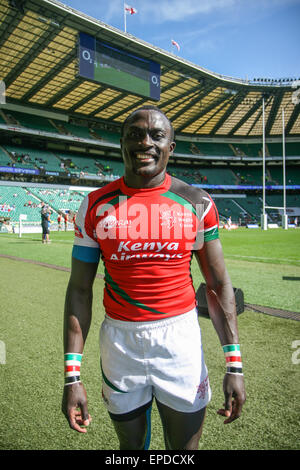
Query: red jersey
x=146, y=238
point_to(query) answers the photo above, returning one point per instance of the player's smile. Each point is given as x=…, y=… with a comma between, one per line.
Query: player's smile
x=144, y=157
x=146, y=145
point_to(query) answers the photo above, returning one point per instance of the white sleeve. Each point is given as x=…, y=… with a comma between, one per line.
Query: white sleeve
x=85, y=247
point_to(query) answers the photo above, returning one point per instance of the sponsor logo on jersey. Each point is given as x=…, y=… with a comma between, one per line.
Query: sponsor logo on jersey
x=163, y=250
x=111, y=221
x=170, y=218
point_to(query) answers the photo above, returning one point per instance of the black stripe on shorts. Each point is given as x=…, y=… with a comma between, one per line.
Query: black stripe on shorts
x=131, y=414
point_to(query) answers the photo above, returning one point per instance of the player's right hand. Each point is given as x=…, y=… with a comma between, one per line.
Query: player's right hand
x=74, y=407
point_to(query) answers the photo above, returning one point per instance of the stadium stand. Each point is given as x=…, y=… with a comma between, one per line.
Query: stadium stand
x=4, y=157
x=203, y=175
x=251, y=205
x=28, y=200
x=26, y=157
x=60, y=132
x=30, y=121
x=292, y=175
x=20, y=157
x=15, y=201
x=60, y=200
x=106, y=136
x=74, y=130
x=227, y=207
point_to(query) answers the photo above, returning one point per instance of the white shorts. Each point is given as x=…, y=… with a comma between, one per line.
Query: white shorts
x=162, y=358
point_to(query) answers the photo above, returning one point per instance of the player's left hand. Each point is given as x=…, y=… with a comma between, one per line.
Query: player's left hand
x=235, y=397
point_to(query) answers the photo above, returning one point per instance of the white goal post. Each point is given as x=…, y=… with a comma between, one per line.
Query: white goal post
x=264, y=216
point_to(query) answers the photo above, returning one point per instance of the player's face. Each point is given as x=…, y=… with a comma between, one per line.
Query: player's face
x=146, y=147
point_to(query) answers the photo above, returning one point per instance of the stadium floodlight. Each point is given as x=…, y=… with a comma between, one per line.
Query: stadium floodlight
x=284, y=217
x=264, y=217
x=2, y=92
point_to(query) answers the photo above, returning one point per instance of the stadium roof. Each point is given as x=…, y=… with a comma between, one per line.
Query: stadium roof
x=39, y=66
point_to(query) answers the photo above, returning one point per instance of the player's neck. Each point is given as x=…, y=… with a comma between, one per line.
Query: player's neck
x=144, y=182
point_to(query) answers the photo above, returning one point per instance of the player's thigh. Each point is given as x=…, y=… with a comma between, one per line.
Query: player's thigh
x=132, y=434
x=181, y=430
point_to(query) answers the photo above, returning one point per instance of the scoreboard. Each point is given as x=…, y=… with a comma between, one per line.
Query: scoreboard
x=117, y=68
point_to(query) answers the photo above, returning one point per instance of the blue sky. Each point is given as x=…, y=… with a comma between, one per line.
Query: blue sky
x=236, y=38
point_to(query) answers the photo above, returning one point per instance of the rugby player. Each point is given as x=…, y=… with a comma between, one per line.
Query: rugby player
x=145, y=227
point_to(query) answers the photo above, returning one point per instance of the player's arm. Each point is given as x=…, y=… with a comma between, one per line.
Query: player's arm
x=77, y=320
x=78, y=305
x=222, y=310
x=78, y=314
x=219, y=291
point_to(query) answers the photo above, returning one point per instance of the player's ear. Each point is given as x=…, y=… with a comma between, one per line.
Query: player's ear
x=172, y=147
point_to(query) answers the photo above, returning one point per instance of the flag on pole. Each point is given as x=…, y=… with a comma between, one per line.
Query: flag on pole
x=174, y=43
x=129, y=9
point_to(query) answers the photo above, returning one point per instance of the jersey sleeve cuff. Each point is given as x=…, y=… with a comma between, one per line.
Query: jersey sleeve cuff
x=211, y=234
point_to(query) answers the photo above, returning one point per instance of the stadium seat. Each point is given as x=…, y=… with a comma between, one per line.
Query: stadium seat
x=33, y=122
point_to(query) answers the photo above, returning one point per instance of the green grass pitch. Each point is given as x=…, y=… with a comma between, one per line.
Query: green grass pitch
x=265, y=265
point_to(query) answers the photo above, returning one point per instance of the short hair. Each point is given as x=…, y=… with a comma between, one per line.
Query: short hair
x=151, y=108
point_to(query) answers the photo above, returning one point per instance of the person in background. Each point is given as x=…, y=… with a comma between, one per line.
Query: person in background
x=45, y=221
x=66, y=218
x=59, y=218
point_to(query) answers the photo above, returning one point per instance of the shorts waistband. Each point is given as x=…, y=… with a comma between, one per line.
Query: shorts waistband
x=135, y=325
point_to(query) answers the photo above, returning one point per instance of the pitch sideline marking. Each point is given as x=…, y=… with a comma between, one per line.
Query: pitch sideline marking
x=45, y=265
x=262, y=257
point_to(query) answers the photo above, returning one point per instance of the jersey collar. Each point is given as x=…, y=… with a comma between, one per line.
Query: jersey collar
x=146, y=192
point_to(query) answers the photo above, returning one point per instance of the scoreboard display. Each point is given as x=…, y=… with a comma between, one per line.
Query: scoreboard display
x=117, y=68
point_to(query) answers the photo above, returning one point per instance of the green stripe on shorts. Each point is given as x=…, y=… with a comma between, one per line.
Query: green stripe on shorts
x=116, y=389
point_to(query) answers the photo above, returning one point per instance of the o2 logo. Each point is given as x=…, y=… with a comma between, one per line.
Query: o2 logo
x=86, y=55
x=155, y=80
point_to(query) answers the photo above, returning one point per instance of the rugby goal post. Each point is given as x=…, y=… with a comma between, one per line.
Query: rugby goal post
x=264, y=216
x=21, y=218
